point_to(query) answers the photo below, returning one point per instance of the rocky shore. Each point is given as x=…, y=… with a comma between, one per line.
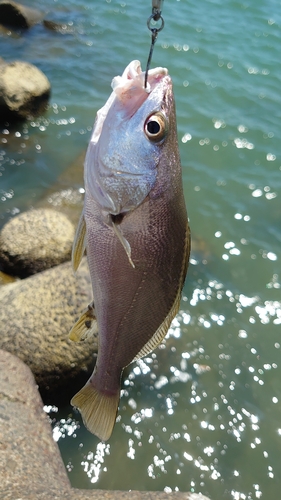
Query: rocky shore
x=40, y=300
x=30, y=462
x=24, y=89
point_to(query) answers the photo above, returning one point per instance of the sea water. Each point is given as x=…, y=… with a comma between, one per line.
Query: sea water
x=202, y=413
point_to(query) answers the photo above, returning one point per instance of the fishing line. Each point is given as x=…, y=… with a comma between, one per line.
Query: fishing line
x=155, y=16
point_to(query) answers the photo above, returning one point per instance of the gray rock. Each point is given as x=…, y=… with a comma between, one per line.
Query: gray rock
x=24, y=90
x=62, y=28
x=34, y=241
x=36, y=316
x=18, y=16
x=31, y=467
x=27, y=451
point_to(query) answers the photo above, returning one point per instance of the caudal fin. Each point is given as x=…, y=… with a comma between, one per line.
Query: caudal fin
x=98, y=410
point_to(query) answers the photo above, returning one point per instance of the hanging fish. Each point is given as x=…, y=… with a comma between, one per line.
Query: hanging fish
x=135, y=229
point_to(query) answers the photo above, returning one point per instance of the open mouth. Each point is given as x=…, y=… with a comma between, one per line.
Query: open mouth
x=134, y=72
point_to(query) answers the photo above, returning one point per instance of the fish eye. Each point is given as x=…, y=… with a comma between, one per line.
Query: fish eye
x=155, y=127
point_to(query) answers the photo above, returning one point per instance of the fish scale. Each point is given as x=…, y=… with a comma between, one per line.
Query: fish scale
x=138, y=257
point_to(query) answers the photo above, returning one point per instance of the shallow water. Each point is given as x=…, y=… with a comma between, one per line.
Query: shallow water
x=202, y=413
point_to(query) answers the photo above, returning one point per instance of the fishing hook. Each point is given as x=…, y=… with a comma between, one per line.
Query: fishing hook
x=155, y=16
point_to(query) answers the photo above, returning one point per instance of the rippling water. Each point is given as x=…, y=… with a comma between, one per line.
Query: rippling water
x=203, y=413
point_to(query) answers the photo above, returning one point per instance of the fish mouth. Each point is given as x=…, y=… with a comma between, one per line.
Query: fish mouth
x=130, y=90
x=134, y=72
x=129, y=94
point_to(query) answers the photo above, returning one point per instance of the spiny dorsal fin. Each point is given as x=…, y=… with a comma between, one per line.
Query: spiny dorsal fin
x=79, y=243
x=98, y=410
x=86, y=326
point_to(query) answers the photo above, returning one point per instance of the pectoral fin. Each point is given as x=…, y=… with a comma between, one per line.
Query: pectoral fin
x=79, y=243
x=124, y=242
x=86, y=326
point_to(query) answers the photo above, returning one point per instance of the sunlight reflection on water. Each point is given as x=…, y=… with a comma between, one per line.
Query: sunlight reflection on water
x=203, y=412
x=200, y=407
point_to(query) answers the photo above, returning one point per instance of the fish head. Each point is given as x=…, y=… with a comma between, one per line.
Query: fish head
x=127, y=141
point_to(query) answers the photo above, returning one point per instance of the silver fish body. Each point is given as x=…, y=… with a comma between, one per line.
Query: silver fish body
x=135, y=228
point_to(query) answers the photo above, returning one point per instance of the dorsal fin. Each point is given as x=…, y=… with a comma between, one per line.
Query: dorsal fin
x=165, y=325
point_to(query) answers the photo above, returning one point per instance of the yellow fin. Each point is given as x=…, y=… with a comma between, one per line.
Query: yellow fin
x=124, y=242
x=86, y=326
x=98, y=410
x=161, y=332
x=79, y=243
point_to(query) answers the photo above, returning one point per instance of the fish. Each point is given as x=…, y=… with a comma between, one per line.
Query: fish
x=135, y=230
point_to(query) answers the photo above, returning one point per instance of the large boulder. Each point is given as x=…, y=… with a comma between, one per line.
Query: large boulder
x=30, y=464
x=18, y=16
x=24, y=90
x=36, y=315
x=28, y=456
x=34, y=241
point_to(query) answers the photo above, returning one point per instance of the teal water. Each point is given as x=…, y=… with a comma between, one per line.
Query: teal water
x=202, y=413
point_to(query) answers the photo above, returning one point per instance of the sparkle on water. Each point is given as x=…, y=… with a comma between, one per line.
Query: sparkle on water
x=202, y=413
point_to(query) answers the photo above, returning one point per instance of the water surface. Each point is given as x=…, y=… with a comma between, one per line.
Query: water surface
x=202, y=413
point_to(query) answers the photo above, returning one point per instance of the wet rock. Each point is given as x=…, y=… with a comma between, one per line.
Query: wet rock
x=36, y=316
x=34, y=241
x=24, y=90
x=18, y=16
x=58, y=27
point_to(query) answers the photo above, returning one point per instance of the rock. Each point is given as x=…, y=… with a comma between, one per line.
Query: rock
x=68, y=201
x=58, y=27
x=31, y=467
x=36, y=316
x=28, y=455
x=24, y=90
x=34, y=241
x=18, y=16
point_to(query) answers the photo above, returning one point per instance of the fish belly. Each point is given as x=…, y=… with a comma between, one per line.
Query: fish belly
x=132, y=303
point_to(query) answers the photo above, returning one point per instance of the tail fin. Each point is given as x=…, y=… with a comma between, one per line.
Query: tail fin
x=98, y=410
